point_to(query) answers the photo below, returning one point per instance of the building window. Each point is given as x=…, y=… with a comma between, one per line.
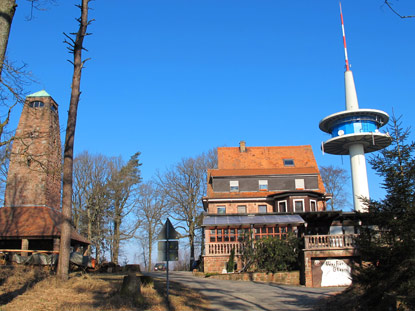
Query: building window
x=234, y=185
x=242, y=234
x=298, y=206
x=299, y=184
x=227, y=235
x=313, y=206
x=241, y=209
x=282, y=206
x=221, y=210
x=262, y=209
x=263, y=184
x=277, y=231
x=36, y=104
x=288, y=162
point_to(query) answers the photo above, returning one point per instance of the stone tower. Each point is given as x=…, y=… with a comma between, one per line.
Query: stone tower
x=34, y=177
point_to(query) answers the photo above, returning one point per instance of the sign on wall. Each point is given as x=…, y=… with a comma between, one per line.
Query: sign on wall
x=335, y=272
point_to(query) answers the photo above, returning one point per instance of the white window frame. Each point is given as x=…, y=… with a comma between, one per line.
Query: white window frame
x=296, y=200
x=299, y=183
x=266, y=208
x=237, y=209
x=220, y=206
x=315, y=202
x=286, y=206
x=263, y=184
x=235, y=185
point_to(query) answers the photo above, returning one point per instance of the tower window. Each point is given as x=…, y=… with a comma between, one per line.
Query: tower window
x=36, y=104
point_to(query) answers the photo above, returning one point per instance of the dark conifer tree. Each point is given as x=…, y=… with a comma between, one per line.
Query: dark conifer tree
x=387, y=240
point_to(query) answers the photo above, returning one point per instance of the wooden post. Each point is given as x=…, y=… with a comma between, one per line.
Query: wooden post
x=25, y=246
x=56, y=244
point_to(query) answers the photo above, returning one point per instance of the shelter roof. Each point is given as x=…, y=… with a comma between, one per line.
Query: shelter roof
x=33, y=222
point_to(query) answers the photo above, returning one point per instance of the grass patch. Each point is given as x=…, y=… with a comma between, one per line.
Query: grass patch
x=93, y=292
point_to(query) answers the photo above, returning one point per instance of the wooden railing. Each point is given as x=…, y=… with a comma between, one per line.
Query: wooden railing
x=330, y=241
x=224, y=248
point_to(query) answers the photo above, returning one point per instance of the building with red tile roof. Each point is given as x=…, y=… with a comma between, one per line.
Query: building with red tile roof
x=262, y=191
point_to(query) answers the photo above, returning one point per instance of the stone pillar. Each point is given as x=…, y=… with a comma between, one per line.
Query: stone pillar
x=25, y=246
x=308, y=274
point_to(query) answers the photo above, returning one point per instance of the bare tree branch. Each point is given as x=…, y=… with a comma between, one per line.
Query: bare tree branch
x=394, y=11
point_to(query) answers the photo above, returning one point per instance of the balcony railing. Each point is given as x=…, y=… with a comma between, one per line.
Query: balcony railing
x=330, y=241
x=224, y=248
x=312, y=242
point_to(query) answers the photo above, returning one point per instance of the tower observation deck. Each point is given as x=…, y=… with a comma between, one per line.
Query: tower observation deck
x=355, y=132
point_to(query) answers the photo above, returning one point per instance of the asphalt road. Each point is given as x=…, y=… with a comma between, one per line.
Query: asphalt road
x=250, y=296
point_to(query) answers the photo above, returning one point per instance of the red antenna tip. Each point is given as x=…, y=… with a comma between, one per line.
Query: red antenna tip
x=344, y=39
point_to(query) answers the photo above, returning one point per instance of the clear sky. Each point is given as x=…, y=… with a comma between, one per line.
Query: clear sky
x=174, y=78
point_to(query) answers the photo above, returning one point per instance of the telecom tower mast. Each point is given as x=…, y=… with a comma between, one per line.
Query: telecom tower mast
x=355, y=132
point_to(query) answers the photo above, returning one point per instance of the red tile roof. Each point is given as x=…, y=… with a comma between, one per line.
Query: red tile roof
x=262, y=161
x=39, y=222
x=265, y=157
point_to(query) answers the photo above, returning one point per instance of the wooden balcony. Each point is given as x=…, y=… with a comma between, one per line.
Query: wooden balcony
x=328, y=242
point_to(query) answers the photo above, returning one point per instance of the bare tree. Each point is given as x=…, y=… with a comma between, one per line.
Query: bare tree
x=122, y=189
x=334, y=179
x=396, y=12
x=152, y=212
x=90, y=199
x=75, y=47
x=184, y=185
x=12, y=77
x=7, y=10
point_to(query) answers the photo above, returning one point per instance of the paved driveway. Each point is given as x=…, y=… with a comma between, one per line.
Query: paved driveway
x=250, y=296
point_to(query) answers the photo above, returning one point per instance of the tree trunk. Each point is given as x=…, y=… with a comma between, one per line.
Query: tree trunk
x=89, y=232
x=64, y=252
x=192, y=249
x=150, y=248
x=7, y=10
x=116, y=240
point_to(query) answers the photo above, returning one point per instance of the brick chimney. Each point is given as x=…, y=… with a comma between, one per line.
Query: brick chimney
x=242, y=146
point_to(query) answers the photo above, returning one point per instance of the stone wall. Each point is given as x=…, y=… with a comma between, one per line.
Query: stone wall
x=216, y=264
x=287, y=278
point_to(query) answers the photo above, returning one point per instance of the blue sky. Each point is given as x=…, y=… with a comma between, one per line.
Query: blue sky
x=174, y=78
